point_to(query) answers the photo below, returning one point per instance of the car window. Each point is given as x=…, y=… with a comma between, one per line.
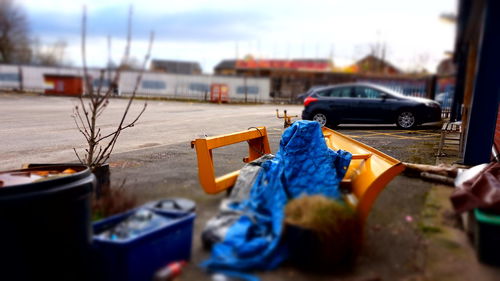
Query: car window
x=324, y=93
x=344, y=92
x=367, y=93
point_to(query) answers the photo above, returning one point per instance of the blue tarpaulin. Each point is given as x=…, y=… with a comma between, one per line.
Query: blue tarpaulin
x=303, y=165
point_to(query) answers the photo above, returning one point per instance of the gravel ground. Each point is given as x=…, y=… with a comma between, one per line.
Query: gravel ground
x=395, y=248
x=156, y=161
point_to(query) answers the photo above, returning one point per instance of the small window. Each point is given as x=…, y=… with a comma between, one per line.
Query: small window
x=341, y=93
x=154, y=84
x=105, y=82
x=9, y=77
x=199, y=87
x=367, y=93
x=252, y=90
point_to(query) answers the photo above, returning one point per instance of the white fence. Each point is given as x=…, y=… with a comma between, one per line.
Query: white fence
x=153, y=84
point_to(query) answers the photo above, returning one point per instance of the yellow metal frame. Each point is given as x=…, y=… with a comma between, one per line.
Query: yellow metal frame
x=258, y=145
x=367, y=175
x=369, y=172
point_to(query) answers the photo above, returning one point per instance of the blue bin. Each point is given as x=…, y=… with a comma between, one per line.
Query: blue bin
x=138, y=258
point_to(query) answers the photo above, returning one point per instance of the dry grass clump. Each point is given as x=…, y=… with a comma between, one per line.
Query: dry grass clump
x=112, y=201
x=322, y=233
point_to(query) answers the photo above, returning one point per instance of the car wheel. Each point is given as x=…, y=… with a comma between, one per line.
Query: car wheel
x=406, y=120
x=320, y=118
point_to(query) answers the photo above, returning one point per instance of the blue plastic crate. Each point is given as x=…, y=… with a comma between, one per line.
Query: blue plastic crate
x=137, y=258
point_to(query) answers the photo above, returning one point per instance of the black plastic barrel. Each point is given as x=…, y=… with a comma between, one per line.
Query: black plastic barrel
x=45, y=227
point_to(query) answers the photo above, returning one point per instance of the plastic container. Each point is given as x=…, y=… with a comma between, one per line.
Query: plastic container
x=173, y=206
x=46, y=226
x=487, y=237
x=139, y=257
x=101, y=173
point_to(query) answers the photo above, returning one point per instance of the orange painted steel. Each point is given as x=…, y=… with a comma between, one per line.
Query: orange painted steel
x=258, y=145
x=369, y=172
x=367, y=175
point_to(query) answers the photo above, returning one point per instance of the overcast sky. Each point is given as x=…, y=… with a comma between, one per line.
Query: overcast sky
x=208, y=31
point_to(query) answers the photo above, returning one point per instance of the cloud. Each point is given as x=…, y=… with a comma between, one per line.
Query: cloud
x=195, y=25
x=211, y=30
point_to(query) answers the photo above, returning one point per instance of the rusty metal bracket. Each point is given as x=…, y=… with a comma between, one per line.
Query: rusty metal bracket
x=287, y=118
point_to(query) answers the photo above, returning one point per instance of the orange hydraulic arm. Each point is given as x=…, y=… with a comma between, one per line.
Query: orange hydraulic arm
x=258, y=145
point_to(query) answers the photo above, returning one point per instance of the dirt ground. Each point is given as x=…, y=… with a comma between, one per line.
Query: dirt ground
x=397, y=245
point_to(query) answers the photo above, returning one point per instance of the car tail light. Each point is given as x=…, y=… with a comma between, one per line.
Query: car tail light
x=308, y=100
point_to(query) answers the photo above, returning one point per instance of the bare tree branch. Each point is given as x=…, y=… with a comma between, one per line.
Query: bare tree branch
x=131, y=124
x=78, y=156
x=85, y=112
x=81, y=131
x=104, y=157
x=97, y=154
x=76, y=113
x=126, y=55
x=88, y=86
x=14, y=34
x=101, y=109
x=95, y=161
x=101, y=81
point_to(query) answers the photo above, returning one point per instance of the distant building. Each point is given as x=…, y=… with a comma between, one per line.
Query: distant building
x=176, y=67
x=226, y=67
x=234, y=67
x=446, y=67
x=374, y=65
x=290, y=78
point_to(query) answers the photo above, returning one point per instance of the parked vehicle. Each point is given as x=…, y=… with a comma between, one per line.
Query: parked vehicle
x=368, y=103
x=445, y=99
x=302, y=96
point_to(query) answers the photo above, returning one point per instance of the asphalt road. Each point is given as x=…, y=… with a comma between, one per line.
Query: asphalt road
x=40, y=129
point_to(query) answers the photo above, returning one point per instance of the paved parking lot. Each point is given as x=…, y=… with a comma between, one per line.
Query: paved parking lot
x=423, y=134
x=37, y=128
x=156, y=161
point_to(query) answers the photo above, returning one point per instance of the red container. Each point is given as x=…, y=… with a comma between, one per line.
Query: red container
x=67, y=85
x=219, y=93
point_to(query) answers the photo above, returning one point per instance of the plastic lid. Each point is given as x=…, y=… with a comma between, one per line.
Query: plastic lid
x=31, y=183
x=484, y=217
x=176, y=204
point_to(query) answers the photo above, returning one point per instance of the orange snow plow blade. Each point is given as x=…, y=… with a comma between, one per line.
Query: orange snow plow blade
x=369, y=172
